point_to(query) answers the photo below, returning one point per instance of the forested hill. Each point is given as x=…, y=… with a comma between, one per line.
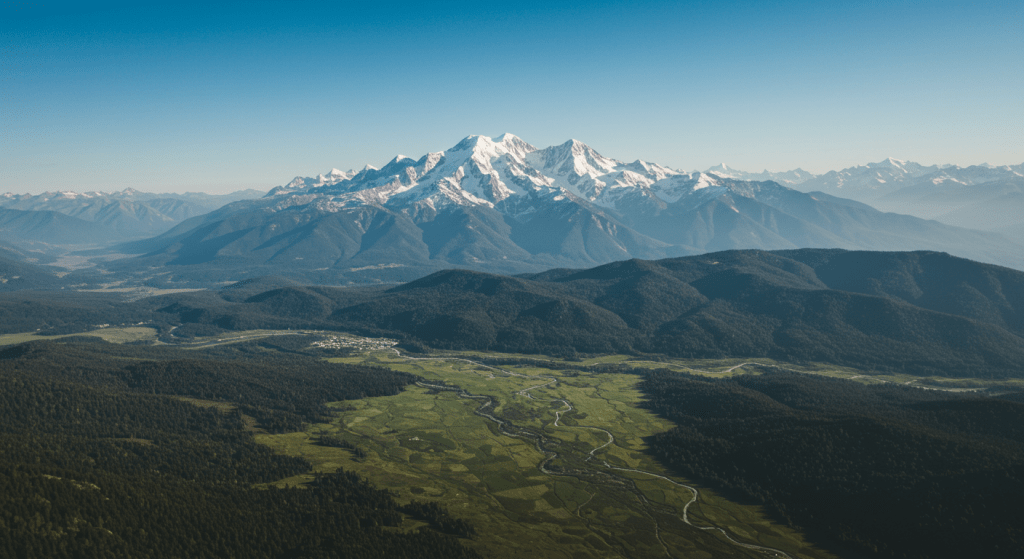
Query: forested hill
x=917, y=312
x=16, y=273
x=918, y=473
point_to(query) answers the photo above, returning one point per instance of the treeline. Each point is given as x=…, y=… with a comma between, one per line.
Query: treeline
x=99, y=457
x=888, y=470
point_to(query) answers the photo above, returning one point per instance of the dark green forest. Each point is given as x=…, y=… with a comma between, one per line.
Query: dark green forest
x=886, y=470
x=921, y=313
x=99, y=457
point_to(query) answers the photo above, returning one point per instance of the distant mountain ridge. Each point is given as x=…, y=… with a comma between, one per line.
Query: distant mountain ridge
x=503, y=205
x=981, y=197
x=118, y=215
x=47, y=227
x=787, y=178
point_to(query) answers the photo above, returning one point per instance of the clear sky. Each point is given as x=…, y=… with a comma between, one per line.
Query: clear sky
x=218, y=97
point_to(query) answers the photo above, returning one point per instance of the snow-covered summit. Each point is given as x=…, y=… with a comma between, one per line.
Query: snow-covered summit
x=509, y=174
x=789, y=178
x=504, y=172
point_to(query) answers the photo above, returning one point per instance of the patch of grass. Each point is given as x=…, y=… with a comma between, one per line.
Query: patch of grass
x=120, y=335
x=222, y=407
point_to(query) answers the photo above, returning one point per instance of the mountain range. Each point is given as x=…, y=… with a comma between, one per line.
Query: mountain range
x=503, y=205
x=977, y=197
x=100, y=218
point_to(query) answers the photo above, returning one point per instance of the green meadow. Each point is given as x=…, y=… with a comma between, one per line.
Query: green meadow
x=117, y=335
x=429, y=445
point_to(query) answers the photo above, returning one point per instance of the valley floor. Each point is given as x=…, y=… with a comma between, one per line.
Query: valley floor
x=543, y=462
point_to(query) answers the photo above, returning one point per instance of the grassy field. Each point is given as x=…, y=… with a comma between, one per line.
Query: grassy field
x=429, y=445
x=119, y=335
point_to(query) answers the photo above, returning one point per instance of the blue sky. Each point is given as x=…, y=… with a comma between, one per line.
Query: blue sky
x=217, y=97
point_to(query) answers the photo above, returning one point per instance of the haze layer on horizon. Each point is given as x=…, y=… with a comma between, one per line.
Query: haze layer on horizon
x=186, y=97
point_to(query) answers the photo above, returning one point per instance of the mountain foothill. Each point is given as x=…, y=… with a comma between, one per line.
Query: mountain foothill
x=920, y=313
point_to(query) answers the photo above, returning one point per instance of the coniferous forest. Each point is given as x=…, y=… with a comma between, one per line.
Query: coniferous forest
x=921, y=313
x=100, y=457
x=886, y=470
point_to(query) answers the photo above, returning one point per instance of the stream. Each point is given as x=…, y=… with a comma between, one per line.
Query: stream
x=600, y=474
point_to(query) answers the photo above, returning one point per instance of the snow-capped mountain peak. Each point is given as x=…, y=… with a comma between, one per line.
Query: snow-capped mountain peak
x=508, y=174
x=574, y=157
x=484, y=171
x=890, y=162
x=486, y=149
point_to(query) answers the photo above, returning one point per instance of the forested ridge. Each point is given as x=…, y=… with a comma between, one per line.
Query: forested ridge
x=100, y=457
x=921, y=313
x=888, y=470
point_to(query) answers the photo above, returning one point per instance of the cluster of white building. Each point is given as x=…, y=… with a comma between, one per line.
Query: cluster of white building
x=362, y=344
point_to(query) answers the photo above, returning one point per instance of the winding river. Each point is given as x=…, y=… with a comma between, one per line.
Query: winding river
x=602, y=473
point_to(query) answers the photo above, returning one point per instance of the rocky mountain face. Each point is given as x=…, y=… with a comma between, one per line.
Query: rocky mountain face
x=503, y=205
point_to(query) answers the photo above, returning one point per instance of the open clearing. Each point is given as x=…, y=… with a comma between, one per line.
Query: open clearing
x=117, y=335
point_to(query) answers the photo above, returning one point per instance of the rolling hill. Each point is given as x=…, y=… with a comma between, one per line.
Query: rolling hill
x=916, y=312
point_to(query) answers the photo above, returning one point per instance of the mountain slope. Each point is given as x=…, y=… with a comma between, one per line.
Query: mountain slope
x=16, y=274
x=49, y=227
x=991, y=201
